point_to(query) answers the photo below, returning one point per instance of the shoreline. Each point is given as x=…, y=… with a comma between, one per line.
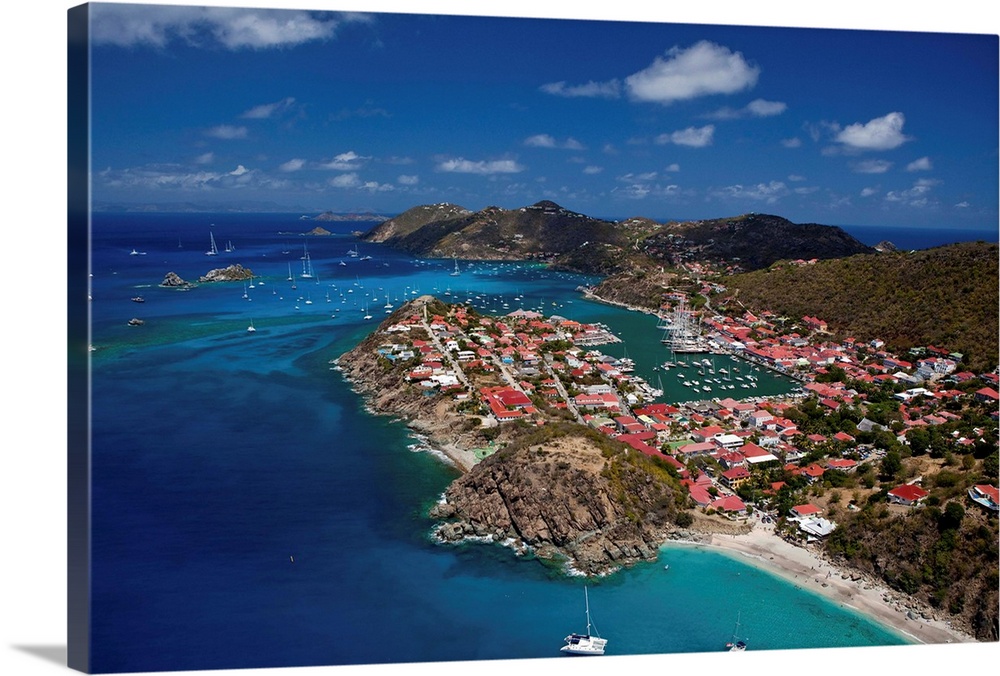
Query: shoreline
x=804, y=568
x=808, y=570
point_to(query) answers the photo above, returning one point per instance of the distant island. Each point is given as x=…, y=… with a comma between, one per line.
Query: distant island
x=333, y=217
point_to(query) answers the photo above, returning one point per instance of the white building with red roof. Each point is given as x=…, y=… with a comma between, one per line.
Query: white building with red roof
x=803, y=511
x=907, y=494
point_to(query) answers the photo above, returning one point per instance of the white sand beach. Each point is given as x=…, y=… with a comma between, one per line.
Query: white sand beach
x=808, y=569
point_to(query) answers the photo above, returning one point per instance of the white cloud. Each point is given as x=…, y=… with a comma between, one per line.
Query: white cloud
x=881, y=133
x=592, y=90
x=868, y=192
x=461, y=165
x=922, y=164
x=762, y=108
x=591, y=170
x=872, y=167
x=963, y=205
x=794, y=142
x=694, y=137
x=762, y=192
x=227, y=132
x=348, y=161
x=795, y=178
x=631, y=178
x=267, y=110
x=703, y=69
x=408, y=180
x=540, y=141
x=350, y=180
x=756, y=108
x=672, y=167
x=175, y=178
x=917, y=196
x=292, y=165
x=205, y=158
x=548, y=141
x=638, y=191
x=233, y=28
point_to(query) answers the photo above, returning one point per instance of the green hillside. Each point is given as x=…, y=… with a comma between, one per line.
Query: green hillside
x=945, y=296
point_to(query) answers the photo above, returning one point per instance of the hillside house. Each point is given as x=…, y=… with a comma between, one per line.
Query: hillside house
x=907, y=494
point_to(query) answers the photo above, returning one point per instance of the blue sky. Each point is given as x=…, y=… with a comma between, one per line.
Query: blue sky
x=321, y=110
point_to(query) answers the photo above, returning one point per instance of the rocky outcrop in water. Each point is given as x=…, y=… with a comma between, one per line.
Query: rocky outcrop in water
x=231, y=273
x=172, y=280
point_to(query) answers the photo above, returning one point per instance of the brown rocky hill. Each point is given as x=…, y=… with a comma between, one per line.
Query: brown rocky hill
x=568, y=493
x=541, y=231
x=549, y=232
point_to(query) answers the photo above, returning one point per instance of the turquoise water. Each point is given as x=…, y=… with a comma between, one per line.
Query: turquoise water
x=248, y=512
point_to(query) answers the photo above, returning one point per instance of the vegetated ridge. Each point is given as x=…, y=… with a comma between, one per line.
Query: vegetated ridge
x=945, y=296
x=546, y=231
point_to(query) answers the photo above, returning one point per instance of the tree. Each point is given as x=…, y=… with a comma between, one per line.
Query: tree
x=919, y=439
x=952, y=516
x=891, y=466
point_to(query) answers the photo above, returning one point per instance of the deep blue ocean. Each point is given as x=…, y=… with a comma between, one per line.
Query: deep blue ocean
x=248, y=512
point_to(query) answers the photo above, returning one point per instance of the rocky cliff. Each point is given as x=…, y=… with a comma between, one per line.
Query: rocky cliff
x=569, y=494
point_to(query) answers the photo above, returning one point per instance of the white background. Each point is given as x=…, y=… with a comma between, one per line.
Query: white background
x=33, y=328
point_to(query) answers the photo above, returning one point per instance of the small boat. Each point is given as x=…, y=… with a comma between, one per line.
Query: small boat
x=307, y=266
x=737, y=645
x=213, y=250
x=456, y=271
x=138, y=299
x=585, y=644
x=251, y=329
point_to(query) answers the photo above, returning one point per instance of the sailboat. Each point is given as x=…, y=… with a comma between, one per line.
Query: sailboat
x=456, y=272
x=585, y=644
x=251, y=329
x=213, y=250
x=737, y=645
x=307, y=266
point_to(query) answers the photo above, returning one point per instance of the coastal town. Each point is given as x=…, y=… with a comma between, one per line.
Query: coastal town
x=864, y=426
x=530, y=368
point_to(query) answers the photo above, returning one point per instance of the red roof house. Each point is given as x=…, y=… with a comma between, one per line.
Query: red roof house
x=907, y=494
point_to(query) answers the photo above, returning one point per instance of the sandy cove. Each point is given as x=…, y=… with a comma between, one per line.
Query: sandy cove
x=808, y=570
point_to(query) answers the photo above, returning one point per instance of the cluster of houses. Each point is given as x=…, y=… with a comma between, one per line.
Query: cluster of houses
x=739, y=435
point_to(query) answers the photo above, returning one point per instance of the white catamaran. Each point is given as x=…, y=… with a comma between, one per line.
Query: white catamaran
x=585, y=644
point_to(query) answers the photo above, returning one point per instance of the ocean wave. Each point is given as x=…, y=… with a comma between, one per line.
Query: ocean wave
x=421, y=444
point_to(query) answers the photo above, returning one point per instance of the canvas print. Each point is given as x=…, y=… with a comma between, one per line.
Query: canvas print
x=419, y=338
